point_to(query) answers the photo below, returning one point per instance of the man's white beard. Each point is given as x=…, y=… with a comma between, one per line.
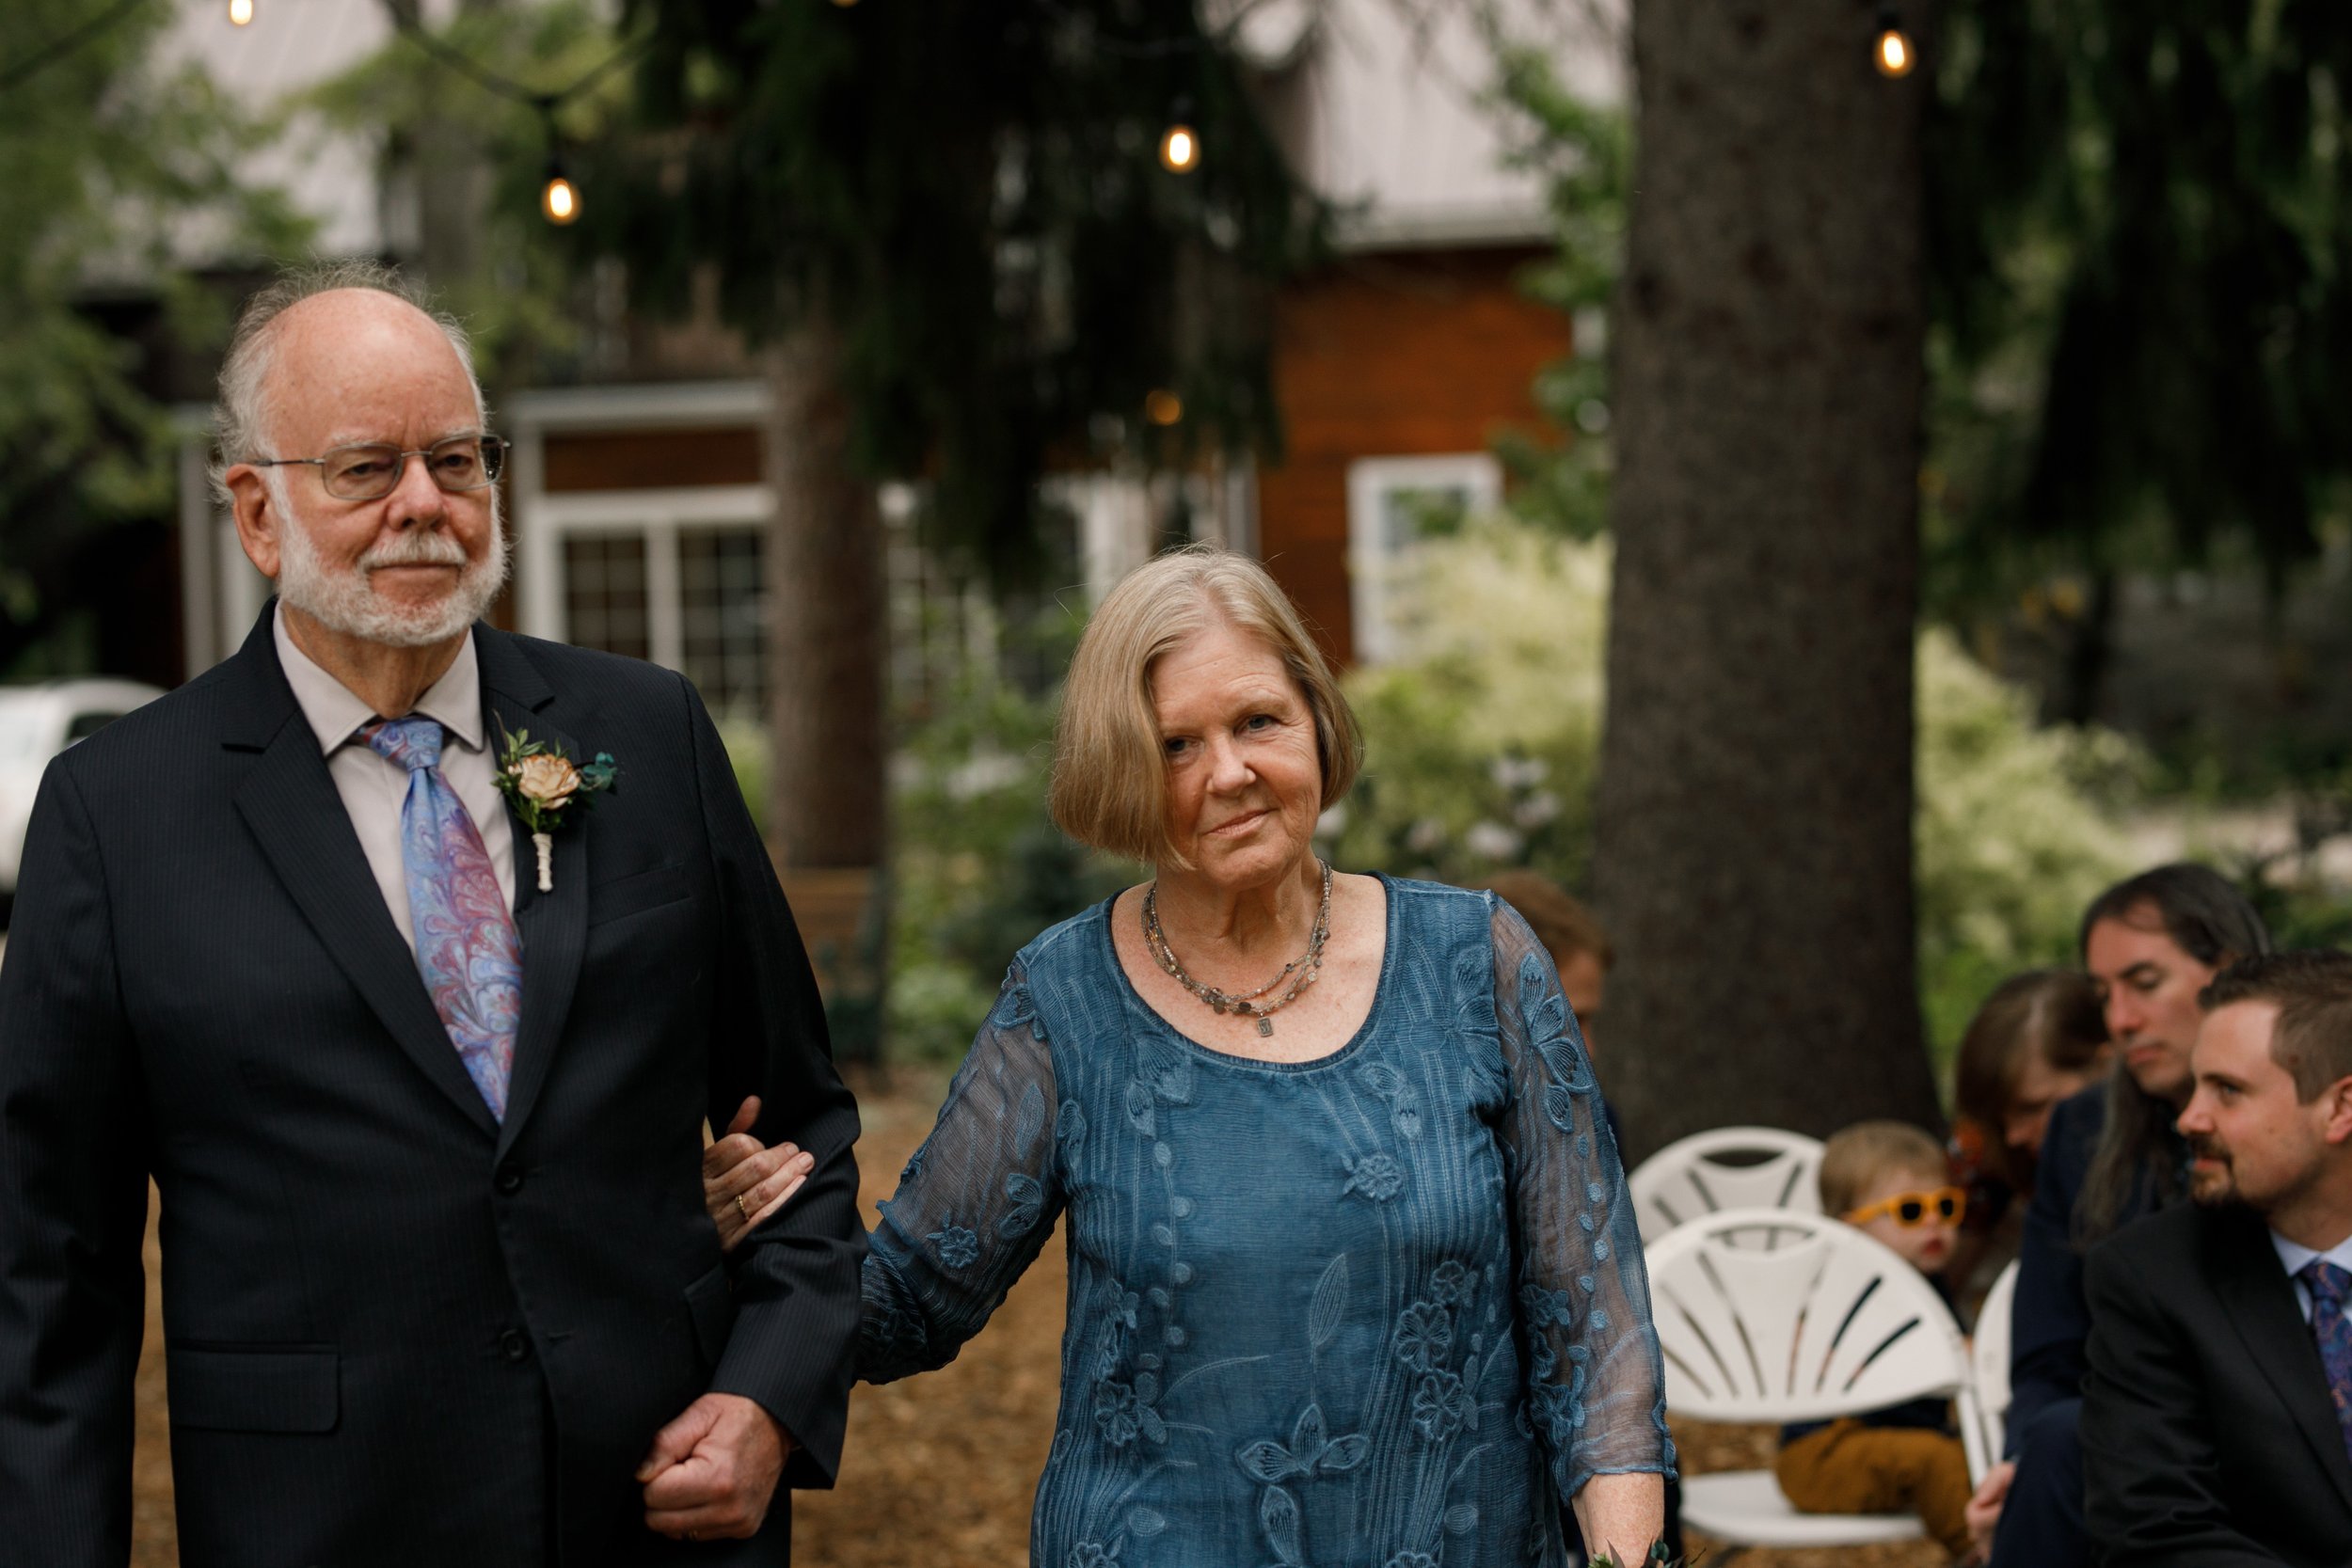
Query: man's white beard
x=346, y=601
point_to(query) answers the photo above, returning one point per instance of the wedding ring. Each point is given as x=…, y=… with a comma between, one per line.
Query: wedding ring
x=742, y=1208
x=691, y=1535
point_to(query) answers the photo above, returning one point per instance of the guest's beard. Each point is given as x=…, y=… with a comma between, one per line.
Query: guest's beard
x=2212, y=1189
x=345, y=601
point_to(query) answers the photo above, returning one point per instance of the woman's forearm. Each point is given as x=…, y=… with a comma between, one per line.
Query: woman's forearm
x=1622, y=1516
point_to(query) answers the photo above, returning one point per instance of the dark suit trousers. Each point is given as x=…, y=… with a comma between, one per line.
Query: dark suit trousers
x=2042, y=1523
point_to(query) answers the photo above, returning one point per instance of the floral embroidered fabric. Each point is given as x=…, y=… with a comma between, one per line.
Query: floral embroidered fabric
x=1384, y=1309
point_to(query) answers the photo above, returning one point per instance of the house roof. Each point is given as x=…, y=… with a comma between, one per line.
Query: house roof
x=292, y=45
x=1383, y=107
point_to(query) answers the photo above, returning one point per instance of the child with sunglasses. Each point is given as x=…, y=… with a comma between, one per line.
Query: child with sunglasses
x=1889, y=1180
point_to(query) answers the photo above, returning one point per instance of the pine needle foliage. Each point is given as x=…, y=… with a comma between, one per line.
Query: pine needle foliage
x=970, y=191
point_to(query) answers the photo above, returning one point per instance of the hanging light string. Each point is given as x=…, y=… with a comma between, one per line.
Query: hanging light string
x=18, y=72
x=411, y=24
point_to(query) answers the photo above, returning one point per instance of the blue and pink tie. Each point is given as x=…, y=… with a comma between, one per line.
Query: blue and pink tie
x=2329, y=1285
x=466, y=949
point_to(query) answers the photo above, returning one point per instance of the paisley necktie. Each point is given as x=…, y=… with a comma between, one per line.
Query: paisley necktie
x=2332, y=1328
x=466, y=949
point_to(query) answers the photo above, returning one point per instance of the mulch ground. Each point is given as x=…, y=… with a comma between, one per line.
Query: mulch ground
x=940, y=1469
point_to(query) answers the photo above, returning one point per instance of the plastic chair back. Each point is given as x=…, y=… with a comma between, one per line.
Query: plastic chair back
x=1730, y=1167
x=1774, y=1315
x=1990, y=1355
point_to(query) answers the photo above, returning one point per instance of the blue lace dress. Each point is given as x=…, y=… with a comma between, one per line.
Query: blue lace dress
x=1380, y=1310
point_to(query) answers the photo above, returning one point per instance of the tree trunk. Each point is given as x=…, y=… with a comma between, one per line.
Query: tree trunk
x=1753, y=830
x=826, y=611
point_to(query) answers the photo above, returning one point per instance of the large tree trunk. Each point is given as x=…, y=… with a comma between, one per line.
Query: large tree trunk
x=827, y=616
x=1753, y=833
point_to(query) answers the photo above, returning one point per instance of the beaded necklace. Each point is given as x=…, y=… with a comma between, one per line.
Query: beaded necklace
x=1304, y=967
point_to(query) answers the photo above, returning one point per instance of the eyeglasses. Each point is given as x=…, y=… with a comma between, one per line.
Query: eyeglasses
x=1947, y=1204
x=369, y=470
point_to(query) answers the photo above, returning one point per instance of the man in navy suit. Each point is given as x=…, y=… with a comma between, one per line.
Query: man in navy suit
x=437, y=1281
x=2216, y=1426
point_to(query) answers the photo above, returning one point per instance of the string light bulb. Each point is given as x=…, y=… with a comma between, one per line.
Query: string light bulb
x=1163, y=407
x=559, y=198
x=1893, y=54
x=240, y=13
x=1180, y=148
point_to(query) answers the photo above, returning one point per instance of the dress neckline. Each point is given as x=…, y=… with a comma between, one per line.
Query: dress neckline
x=1166, y=1026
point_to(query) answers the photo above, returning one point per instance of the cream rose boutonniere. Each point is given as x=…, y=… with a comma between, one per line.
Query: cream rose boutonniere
x=542, y=787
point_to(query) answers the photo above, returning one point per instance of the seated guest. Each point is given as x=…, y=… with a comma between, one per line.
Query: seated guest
x=2217, y=1423
x=2038, y=1038
x=1886, y=1179
x=2150, y=944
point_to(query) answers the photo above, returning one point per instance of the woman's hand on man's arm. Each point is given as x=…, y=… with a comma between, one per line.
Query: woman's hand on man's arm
x=744, y=1182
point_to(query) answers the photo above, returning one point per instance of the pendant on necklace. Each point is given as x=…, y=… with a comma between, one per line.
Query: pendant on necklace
x=1265, y=1024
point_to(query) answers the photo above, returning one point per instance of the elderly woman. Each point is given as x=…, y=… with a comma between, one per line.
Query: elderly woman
x=1353, y=1276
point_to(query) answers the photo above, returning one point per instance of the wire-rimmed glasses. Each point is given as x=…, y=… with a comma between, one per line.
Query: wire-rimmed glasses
x=369, y=470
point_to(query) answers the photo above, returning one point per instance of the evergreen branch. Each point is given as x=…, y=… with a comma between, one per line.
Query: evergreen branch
x=22, y=70
x=410, y=22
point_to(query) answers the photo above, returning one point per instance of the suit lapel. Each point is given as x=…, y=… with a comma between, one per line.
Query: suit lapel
x=291, y=804
x=554, y=927
x=2259, y=1299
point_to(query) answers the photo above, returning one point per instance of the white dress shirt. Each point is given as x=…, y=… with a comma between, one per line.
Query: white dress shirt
x=375, y=787
x=2294, y=1256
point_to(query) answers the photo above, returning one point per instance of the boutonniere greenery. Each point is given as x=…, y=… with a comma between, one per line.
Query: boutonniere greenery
x=544, y=787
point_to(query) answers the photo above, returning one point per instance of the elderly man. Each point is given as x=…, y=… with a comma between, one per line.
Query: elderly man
x=424, y=1101
x=2216, y=1425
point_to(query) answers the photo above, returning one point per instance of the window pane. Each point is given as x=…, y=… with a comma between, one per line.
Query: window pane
x=604, y=592
x=721, y=609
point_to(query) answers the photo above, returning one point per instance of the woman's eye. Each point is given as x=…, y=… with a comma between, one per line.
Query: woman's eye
x=1174, y=746
x=1257, y=721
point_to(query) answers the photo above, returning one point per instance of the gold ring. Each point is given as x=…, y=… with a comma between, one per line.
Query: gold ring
x=742, y=1208
x=691, y=1535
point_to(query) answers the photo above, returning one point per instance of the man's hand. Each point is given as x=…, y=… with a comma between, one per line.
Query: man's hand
x=744, y=1182
x=1984, y=1510
x=712, y=1472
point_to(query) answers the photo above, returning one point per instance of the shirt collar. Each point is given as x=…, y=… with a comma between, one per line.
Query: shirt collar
x=335, y=713
x=2295, y=1256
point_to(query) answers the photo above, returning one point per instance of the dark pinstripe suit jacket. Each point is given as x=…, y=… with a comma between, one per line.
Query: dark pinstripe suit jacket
x=397, y=1332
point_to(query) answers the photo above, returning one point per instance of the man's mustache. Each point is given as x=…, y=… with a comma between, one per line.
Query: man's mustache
x=415, y=549
x=2209, y=1148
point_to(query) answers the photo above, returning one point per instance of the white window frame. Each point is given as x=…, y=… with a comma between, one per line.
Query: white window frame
x=1374, y=566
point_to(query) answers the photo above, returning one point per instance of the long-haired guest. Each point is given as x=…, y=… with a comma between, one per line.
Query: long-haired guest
x=2150, y=944
x=1352, y=1267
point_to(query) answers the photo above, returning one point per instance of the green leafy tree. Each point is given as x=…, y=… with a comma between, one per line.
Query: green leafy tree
x=2140, y=243
x=112, y=171
x=948, y=228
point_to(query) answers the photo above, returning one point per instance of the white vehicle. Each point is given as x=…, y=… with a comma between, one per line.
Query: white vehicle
x=36, y=723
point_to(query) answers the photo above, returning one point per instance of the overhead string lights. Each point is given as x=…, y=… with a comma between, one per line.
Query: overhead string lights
x=559, y=197
x=1892, y=51
x=240, y=13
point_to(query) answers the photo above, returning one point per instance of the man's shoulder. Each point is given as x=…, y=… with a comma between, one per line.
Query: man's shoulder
x=575, y=672
x=2161, y=1253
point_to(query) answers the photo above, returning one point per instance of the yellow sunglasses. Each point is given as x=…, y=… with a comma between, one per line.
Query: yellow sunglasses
x=1908, y=1209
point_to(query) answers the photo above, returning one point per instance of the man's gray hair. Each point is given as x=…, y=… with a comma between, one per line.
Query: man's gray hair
x=242, y=411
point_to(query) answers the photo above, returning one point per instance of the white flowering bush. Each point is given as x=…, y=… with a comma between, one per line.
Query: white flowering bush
x=1483, y=743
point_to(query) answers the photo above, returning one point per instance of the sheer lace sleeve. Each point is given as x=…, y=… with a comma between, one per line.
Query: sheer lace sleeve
x=974, y=1206
x=1596, y=1387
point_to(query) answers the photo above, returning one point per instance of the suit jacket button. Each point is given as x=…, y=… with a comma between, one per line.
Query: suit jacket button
x=515, y=1345
x=509, y=1180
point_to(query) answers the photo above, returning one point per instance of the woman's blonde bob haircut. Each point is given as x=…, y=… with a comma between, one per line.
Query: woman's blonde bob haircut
x=1111, y=774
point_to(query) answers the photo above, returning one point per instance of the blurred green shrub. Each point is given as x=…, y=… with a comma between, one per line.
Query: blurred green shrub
x=1482, y=747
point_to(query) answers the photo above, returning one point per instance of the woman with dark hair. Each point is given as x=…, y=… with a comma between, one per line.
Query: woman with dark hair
x=2150, y=944
x=2038, y=1039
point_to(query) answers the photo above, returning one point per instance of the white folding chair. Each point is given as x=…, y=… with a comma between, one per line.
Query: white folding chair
x=1776, y=1315
x=1989, y=1356
x=1731, y=1167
